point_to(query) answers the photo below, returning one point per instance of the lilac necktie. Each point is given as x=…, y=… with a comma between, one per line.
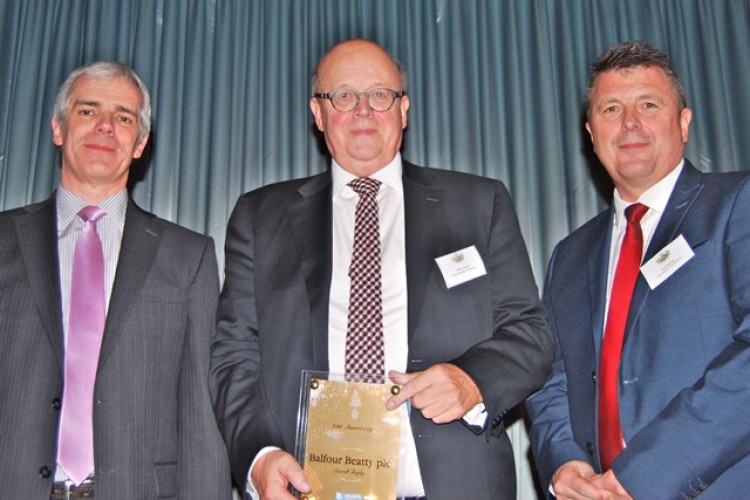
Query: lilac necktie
x=364, y=338
x=75, y=452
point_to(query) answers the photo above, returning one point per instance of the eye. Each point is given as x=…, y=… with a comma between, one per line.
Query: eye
x=343, y=95
x=379, y=94
x=86, y=112
x=125, y=119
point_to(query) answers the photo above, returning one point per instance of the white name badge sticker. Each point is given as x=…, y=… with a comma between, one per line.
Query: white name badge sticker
x=461, y=266
x=667, y=261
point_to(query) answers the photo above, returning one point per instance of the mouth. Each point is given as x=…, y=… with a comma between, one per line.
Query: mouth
x=632, y=146
x=363, y=132
x=105, y=148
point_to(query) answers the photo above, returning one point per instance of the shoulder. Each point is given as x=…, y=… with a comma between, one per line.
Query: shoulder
x=448, y=178
x=183, y=238
x=289, y=189
x=29, y=216
x=579, y=242
x=32, y=208
x=720, y=183
x=455, y=187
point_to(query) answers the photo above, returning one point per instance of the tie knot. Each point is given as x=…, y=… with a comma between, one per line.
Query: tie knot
x=635, y=212
x=91, y=213
x=365, y=185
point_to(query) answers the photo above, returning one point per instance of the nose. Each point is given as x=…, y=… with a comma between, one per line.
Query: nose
x=362, y=108
x=106, y=123
x=630, y=119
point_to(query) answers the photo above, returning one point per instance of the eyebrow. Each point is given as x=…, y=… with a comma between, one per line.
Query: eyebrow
x=97, y=104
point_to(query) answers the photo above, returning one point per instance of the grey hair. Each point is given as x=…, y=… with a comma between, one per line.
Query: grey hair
x=101, y=70
x=632, y=54
x=402, y=73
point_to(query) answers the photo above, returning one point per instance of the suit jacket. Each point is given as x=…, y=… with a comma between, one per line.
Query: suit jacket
x=684, y=395
x=273, y=319
x=155, y=435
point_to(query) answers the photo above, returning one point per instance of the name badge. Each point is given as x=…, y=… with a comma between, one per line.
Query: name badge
x=461, y=266
x=667, y=261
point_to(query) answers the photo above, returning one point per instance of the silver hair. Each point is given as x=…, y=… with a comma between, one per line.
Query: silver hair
x=101, y=70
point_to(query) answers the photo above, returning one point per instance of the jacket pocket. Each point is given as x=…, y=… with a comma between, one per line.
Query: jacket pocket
x=165, y=475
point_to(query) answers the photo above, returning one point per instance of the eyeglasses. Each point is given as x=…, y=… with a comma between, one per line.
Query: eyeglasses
x=345, y=100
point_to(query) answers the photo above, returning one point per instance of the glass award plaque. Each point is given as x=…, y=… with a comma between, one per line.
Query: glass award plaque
x=347, y=441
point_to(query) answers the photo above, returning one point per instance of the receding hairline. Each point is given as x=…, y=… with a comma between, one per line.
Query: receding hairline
x=340, y=46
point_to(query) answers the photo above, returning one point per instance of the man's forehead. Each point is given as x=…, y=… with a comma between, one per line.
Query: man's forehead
x=97, y=91
x=356, y=62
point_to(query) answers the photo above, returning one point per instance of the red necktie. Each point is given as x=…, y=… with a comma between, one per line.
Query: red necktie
x=364, y=337
x=75, y=452
x=626, y=273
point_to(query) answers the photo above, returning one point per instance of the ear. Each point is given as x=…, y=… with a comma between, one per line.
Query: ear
x=138, y=151
x=685, y=116
x=404, y=108
x=317, y=112
x=57, y=132
x=588, y=129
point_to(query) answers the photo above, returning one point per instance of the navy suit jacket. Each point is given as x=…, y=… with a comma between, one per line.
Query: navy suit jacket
x=273, y=320
x=683, y=388
x=155, y=435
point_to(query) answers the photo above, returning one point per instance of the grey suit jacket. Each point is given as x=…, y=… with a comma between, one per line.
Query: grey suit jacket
x=155, y=435
x=684, y=392
x=273, y=320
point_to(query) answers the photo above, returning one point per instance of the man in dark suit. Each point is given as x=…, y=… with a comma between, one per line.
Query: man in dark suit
x=458, y=345
x=680, y=383
x=146, y=429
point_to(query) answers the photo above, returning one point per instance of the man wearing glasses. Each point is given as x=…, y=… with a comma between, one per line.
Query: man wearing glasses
x=457, y=322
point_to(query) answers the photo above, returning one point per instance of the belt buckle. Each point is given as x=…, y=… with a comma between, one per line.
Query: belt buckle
x=69, y=489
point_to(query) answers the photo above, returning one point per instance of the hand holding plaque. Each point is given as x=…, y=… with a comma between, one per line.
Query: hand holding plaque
x=347, y=440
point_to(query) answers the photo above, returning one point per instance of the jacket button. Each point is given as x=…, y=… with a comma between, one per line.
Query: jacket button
x=56, y=404
x=590, y=447
x=45, y=471
x=593, y=377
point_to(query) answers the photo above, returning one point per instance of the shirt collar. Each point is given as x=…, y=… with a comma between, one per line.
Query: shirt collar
x=68, y=205
x=389, y=175
x=655, y=197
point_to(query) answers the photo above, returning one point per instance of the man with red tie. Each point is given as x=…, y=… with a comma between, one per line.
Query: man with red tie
x=650, y=304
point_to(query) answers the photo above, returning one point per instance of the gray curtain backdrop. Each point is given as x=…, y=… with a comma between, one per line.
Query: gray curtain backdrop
x=496, y=89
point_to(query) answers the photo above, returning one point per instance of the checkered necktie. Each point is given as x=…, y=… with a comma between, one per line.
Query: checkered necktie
x=364, y=337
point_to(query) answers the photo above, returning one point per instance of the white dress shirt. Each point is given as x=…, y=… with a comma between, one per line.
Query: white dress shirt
x=390, y=200
x=655, y=198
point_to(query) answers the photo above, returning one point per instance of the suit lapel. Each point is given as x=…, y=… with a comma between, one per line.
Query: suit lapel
x=423, y=202
x=686, y=190
x=140, y=243
x=597, y=266
x=37, y=240
x=310, y=213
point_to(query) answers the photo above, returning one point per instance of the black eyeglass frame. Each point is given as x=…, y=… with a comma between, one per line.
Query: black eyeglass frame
x=396, y=94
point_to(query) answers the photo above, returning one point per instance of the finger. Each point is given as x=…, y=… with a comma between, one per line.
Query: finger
x=297, y=478
x=405, y=380
x=273, y=473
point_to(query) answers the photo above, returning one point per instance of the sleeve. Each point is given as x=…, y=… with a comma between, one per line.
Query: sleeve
x=235, y=376
x=202, y=453
x=551, y=435
x=515, y=360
